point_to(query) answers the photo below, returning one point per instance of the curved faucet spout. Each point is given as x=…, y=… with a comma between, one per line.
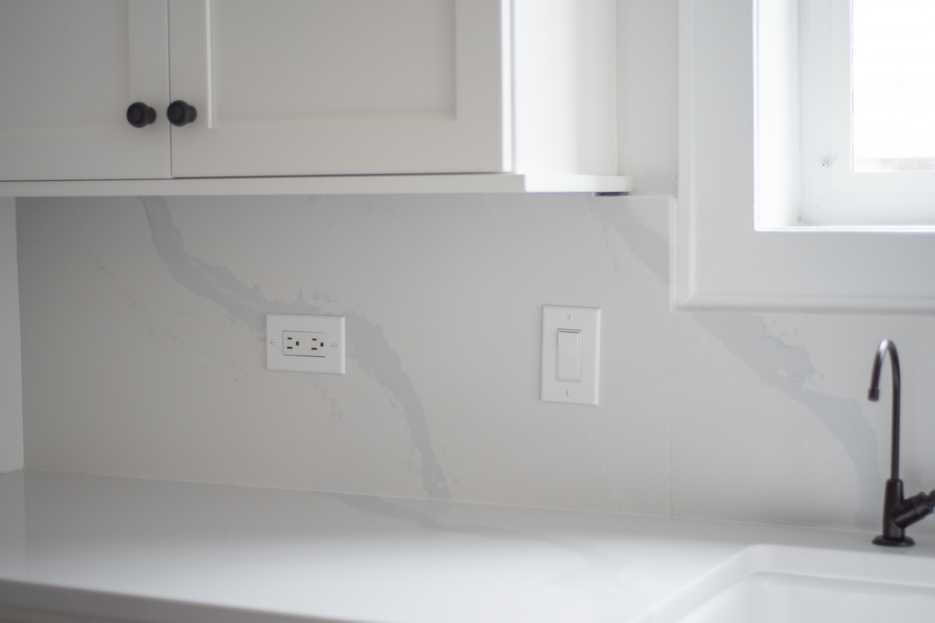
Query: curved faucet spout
x=898, y=512
x=887, y=346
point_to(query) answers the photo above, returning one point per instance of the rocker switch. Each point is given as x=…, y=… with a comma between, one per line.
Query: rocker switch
x=568, y=357
x=571, y=354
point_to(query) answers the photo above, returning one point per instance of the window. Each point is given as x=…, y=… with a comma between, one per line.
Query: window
x=850, y=86
x=893, y=85
x=772, y=213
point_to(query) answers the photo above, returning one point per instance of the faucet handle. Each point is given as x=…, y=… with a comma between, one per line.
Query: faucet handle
x=913, y=509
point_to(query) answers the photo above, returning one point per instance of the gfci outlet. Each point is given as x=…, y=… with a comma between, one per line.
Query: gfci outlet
x=305, y=343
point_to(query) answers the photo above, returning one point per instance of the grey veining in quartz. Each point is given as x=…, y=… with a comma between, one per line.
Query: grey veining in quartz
x=143, y=356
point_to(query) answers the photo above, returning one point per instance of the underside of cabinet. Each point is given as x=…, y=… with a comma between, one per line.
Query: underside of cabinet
x=325, y=185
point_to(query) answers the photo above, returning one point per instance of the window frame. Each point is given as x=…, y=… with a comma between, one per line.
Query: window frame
x=832, y=192
x=725, y=255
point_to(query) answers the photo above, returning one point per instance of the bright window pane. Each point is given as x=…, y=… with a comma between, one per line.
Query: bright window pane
x=893, y=78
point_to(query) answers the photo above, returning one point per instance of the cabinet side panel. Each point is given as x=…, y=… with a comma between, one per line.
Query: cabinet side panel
x=565, y=86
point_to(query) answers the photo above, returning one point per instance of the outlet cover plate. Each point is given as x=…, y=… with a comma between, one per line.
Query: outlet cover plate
x=587, y=320
x=331, y=326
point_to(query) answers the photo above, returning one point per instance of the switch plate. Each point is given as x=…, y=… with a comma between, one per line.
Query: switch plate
x=578, y=331
x=308, y=331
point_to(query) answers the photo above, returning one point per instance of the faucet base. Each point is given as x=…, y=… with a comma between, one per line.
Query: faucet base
x=888, y=542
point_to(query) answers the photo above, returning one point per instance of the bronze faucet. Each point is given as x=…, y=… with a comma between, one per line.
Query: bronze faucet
x=898, y=513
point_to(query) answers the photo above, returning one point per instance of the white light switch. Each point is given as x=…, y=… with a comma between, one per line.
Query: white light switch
x=569, y=356
x=571, y=339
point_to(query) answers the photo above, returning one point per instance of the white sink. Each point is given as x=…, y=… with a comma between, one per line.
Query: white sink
x=777, y=584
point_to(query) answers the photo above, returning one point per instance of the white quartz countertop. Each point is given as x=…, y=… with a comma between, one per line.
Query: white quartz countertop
x=144, y=550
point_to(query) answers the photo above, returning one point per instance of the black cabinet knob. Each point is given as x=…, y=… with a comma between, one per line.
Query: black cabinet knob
x=140, y=115
x=181, y=113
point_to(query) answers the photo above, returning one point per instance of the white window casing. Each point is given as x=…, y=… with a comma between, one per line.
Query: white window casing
x=749, y=233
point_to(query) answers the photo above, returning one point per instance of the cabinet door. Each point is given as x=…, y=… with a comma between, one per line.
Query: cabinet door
x=310, y=87
x=68, y=72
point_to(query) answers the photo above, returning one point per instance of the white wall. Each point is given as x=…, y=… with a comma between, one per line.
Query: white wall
x=11, y=394
x=144, y=355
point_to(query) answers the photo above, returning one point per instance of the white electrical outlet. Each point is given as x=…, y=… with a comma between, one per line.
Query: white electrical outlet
x=305, y=343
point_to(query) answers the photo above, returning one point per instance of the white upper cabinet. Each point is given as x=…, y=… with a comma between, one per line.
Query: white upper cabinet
x=313, y=87
x=301, y=88
x=68, y=72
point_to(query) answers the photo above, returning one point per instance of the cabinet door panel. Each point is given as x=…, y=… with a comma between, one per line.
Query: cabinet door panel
x=305, y=87
x=68, y=71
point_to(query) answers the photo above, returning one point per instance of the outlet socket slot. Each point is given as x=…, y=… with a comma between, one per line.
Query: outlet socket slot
x=303, y=344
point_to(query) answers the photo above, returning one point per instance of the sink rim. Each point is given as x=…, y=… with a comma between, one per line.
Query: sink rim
x=896, y=567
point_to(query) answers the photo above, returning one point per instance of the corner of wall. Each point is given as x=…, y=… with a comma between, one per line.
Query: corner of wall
x=11, y=371
x=648, y=94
